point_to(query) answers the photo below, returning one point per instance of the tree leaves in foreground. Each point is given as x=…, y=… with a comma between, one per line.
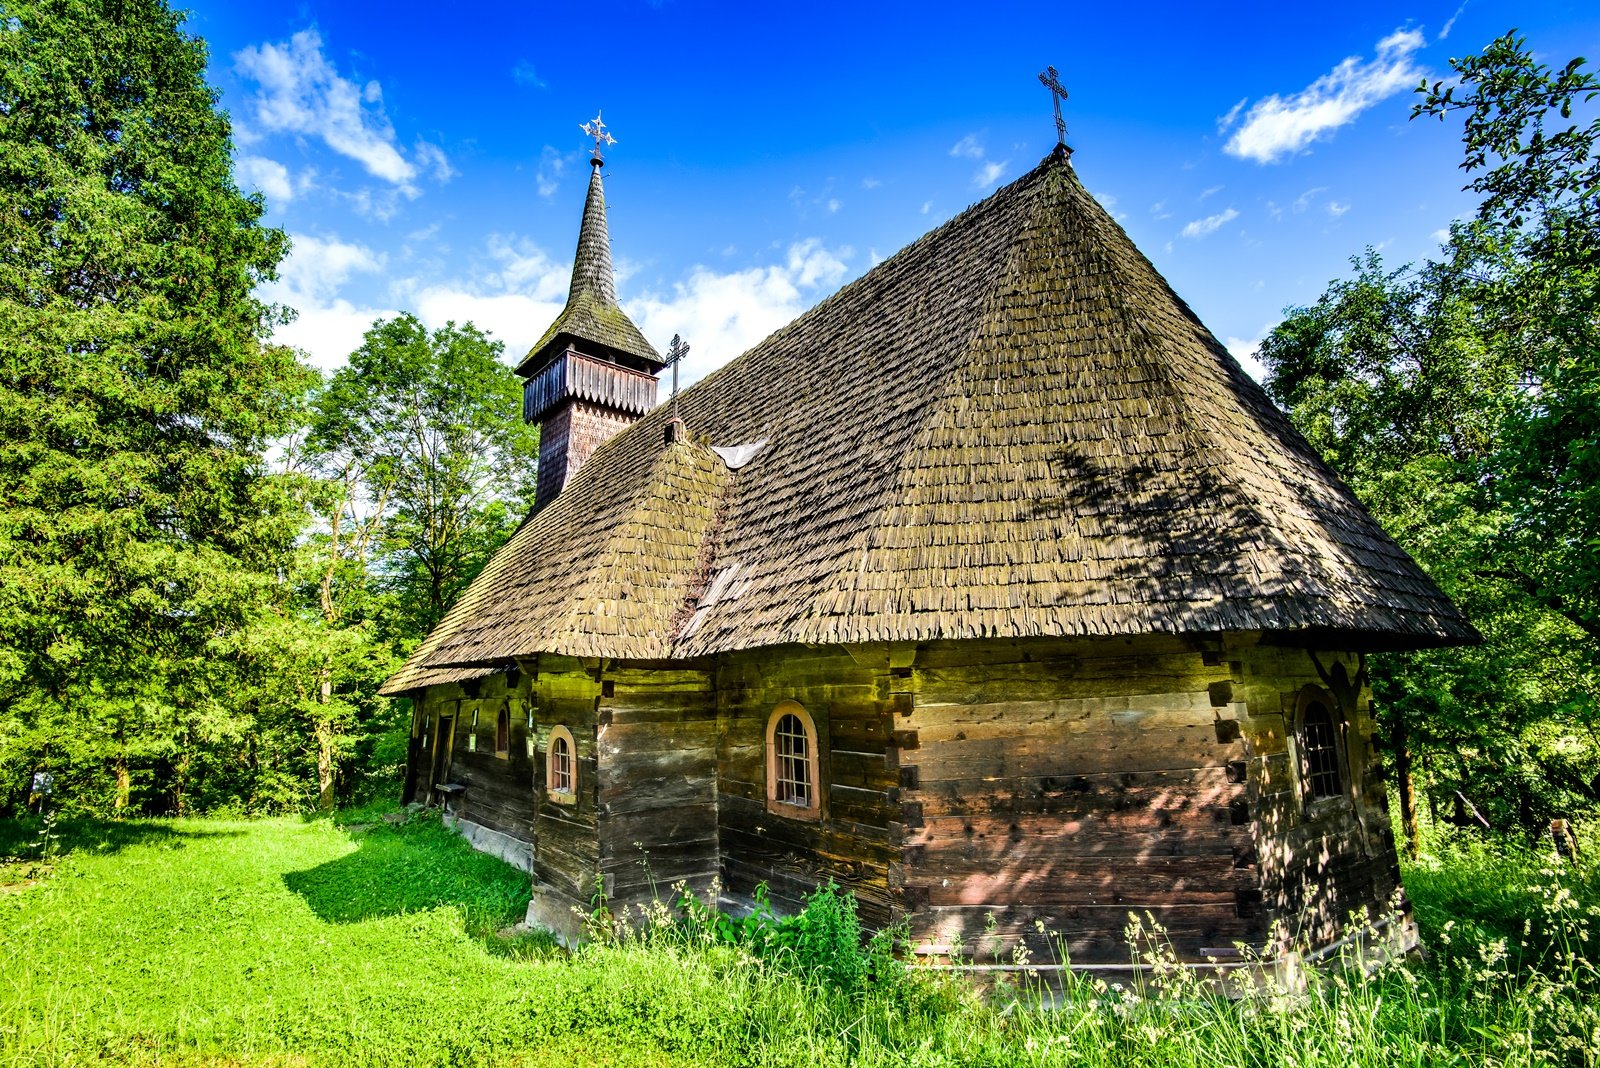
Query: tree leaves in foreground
x=140, y=528
x=425, y=432
x=1459, y=399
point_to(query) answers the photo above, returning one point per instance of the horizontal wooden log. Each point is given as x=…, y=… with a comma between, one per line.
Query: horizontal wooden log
x=1102, y=752
x=1028, y=797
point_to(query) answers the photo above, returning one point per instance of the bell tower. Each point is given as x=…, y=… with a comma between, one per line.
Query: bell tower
x=592, y=373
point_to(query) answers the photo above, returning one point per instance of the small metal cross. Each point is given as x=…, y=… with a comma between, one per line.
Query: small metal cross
x=675, y=354
x=1050, y=79
x=597, y=130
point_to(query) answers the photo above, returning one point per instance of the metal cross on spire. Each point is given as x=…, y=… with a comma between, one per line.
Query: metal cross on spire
x=597, y=130
x=675, y=354
x=1051, y=80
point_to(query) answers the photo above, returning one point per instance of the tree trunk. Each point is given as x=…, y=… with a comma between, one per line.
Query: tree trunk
x=124, y=784
x=324, y=731
x=1401, y=738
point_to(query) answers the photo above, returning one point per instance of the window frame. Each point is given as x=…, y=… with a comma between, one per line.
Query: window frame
x=812, y=810
x=1336, y=751
x=560, y=734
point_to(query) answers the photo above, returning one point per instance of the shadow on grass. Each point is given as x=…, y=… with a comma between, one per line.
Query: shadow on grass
x=21, y=837
x=413, y=867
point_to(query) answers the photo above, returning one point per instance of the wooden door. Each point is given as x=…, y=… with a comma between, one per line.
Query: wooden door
x=443, y=742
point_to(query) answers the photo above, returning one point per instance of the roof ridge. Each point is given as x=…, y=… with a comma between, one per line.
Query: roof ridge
x=676, y=533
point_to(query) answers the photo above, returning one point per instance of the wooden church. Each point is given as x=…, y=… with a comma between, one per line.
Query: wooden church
x=990, y=586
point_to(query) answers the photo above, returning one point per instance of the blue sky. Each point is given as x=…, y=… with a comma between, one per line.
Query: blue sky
x=429, y=159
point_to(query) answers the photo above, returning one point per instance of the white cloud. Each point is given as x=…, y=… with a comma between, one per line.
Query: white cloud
x=327, y=327
x=1278, y=126
x=870, y=183
x=1159, y=211
x=317, y=266
x=1211, y=192
x=969, y=147
x=267, y=175
x=432, y=156
x=1336, y=209
x=721, y=315
x=524, y=73
x=302, y=93
x=1210, y=224
x=329, y=333
x=927, y=206
x=989, y=173
x=1225, y=123
x=833, y=205
x=552, y=165
x=1451, y=24
x=522, y=289
x=1303, y=201
x=1245, y=352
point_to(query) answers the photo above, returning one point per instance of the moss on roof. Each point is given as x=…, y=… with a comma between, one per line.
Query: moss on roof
x=1012, y=428
x=591, y=313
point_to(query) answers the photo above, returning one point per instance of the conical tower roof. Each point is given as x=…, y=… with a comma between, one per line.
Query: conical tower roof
x=1012, y=428
x=592, y=314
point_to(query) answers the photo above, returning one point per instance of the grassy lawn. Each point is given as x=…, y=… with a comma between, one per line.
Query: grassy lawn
x=295, y=942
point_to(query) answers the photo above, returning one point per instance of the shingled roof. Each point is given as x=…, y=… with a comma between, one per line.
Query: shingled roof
x=592, y=313
x=1012, y=428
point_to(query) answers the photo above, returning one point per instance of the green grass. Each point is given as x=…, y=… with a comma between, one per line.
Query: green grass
x=307, y=942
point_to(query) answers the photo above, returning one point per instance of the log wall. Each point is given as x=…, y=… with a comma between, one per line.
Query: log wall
x=1001, y=795
x=657, y=801
x=855, y=841
x=1050, y=789
x=1320, y=860
x=497, y=784
x=566, y=693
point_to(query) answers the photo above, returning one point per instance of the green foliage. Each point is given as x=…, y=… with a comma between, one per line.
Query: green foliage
x=1458, y=399
x=142, y=530
x=424, y=430
x=823, y=943
x=289, y=941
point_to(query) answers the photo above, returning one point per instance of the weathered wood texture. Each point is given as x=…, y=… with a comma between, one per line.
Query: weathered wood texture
x=657, y=798
x=1003, y=795
x=566, y=848
x=1050, y=789
x=855, y=842
x=498, y=785
x=1320, y=860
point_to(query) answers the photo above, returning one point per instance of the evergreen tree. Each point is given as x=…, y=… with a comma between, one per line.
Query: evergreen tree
x=141, y=531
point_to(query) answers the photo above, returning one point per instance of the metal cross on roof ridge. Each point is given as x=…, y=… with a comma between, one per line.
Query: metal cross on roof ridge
x=675, y=354
x=1051, y=80
x=597, y=130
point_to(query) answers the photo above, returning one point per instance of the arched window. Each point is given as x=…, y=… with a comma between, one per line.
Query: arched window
x=561, y=766
x=793, y=786
x=1317, y=739
x=502, y=731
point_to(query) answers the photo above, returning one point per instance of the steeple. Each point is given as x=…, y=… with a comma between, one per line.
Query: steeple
x=592, y=321
x=592, y=373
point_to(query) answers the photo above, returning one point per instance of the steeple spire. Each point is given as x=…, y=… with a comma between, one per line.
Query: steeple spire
x=592, y=323
x=591, y=266
x=592, y=373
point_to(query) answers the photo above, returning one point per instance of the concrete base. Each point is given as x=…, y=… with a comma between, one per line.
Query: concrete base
x=514, y=851
x=557, y=913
